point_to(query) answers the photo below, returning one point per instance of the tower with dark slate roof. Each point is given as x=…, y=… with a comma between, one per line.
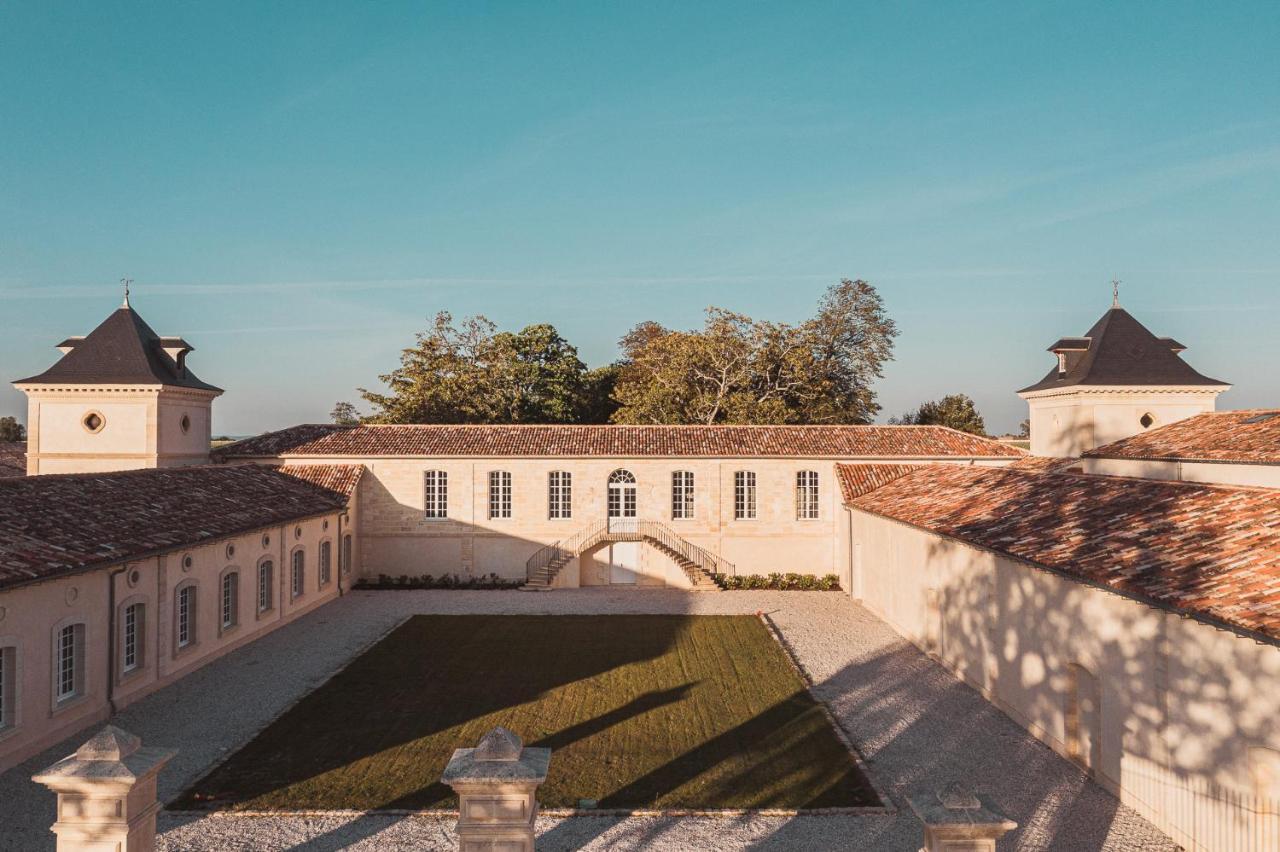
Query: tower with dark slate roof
x=1117, y=380
x=120, y=398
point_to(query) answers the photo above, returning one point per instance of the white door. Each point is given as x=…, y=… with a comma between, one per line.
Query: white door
x=624, y=562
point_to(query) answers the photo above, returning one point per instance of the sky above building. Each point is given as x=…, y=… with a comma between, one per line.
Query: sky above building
x=297, y=188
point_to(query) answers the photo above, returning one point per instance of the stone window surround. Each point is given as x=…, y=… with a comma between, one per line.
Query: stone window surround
x=683, y=491
x=435, y=495
x=500, y=495
x=808, y=496
x=297, y=572
x=223, y=626
x=346, y=554
x=81, y=659
x=143, y=651
x=746, y=497
x=324, y=573
x=559, y=495
x=194, y=617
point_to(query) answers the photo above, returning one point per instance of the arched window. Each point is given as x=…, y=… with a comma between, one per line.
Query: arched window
x=133, y=636
x=807, y=495
x=229, y=601
x=499, y=494
x=744, y=495
x=298, y=573
x=265, y=586
x=326, y=563
x=8, y=686
x=559, y=494
x=184, y=615
x=682, y=495
x=68, y=662
x=622, y=494
x=622, y=476
x=435, y=494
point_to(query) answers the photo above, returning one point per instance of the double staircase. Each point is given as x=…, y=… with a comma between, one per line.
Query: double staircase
x=699, y=564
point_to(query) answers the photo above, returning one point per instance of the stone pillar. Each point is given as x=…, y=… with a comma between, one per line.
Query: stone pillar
x=107, y=794
x=955, y=820
x=495, y=783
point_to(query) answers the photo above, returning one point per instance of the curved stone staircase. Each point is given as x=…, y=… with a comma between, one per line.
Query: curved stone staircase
x=699, y=564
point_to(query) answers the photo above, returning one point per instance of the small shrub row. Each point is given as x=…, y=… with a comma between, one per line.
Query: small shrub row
x=444, y=581
x=782, y=582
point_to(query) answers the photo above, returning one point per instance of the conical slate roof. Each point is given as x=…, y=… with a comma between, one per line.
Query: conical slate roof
x=1120, y=351
x=122, y=350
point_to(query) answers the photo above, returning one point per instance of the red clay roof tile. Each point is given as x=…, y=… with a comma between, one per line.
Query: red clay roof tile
x=1247, y=436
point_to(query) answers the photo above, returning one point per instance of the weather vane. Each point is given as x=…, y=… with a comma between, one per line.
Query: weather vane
x=1115, y=292
x=126, y=282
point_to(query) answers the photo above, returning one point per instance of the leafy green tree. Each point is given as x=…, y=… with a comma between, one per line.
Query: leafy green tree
x=12, y=430
x=472, y=373
x=344, y=414
x=739, y=370
x=955, y=411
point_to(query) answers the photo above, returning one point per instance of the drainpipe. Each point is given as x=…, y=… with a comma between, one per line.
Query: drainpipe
x=338, y=550
x=111, y=635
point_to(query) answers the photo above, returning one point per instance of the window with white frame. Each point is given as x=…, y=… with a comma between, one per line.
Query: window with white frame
x=807, y=495
x=326, y=563
x=559, y=494
x=298, y=574
x=744, y=495
x=499, y=494
x=230, y=603
x=186, y=613
x=8, y=686
x=132, y=633
x=435, y=494
x=68, y=663
x=682, y=495
x=265, y=571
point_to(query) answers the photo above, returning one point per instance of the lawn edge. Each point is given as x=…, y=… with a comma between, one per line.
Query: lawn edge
x=232, y=751
x=887, y=805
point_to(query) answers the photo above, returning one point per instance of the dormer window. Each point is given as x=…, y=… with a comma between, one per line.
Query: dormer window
x=1062, y=363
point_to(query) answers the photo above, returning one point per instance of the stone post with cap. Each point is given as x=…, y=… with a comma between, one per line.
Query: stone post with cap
x=107, y=793
x=956, y=820
x=496, y=782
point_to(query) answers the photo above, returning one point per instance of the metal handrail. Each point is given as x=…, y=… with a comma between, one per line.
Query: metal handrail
x=629, y=529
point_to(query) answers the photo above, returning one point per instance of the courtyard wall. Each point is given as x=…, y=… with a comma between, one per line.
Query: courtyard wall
x=1179, y=718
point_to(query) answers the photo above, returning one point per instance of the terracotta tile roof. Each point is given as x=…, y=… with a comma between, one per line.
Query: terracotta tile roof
x=859, y=479
x=13, y=458
x=1210, y=551
x=620, y=441
x=1224, y=436
x=342, y=478
x=1048, y=464
x=52, y=526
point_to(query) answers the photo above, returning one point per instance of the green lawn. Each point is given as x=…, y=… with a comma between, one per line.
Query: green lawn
x=641, y=711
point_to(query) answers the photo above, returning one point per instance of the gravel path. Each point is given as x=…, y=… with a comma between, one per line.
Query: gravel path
x=917, y=726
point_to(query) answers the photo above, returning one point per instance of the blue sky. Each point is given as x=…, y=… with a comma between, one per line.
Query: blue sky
x=296, y=188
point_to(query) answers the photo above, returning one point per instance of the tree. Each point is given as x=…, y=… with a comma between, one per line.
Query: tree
x=12, y=430
x=344, y=414
x=738, y=370
x=1024, y=429
x=955, y=411
x=472, y=373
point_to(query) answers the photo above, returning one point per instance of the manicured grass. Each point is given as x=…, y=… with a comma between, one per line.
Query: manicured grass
x=642, y=711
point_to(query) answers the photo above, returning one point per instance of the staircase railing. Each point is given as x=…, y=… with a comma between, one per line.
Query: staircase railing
x=703, y=558
x=624, y=529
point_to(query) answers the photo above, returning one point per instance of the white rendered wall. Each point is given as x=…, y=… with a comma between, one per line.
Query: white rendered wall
x=1067, y=423
x=1188, y=713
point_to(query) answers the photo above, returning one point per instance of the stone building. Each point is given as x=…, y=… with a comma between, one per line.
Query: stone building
x=1116, y=592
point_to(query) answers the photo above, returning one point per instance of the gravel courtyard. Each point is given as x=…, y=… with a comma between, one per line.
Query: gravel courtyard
x=917, y=727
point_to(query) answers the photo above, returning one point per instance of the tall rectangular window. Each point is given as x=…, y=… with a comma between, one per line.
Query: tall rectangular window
x=682, y=495
x=744, y=495
x=264, y=586
x=807, y=495
x=299, y=573
x=131, y=638
x=499, y=494
x=326, y=563
x=8, y=681
x=230, y=597
x=186, y=616
x=346, y=554
x=559, y=494
x=69, y=662
x=435, y=493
